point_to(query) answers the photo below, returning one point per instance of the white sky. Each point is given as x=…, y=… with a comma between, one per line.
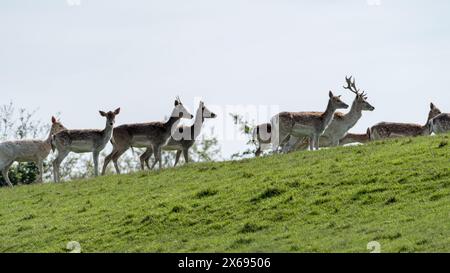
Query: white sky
x=140, y=54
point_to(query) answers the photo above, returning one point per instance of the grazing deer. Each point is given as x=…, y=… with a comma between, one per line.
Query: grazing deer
x=304, y=124
x=355, y=138
x=27, y=151
x=83, y=141
x=184, y=143
x=393, y=129
x=440, y=123
x=152, y=135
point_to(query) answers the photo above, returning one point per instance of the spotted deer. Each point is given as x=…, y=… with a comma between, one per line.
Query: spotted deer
x=355, y=138
x=27, y=151
x=304, y=124
x=152, y=135
x=187, y=137
x=440, y=123
x=83, y=141
x=384, y=130
x=341, y=123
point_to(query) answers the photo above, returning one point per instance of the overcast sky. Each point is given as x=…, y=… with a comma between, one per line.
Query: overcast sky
x=101, y=54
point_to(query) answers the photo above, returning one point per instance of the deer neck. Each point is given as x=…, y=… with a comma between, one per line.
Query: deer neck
x=173, y=121
x=107, y=132
x=198, y=123
x=352, y=117
x=49, y=138
x=327, y=116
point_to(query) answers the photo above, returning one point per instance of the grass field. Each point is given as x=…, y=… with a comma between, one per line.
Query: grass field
x=394, y=192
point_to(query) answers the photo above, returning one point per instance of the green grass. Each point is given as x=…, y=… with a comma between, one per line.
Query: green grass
x=336, y=200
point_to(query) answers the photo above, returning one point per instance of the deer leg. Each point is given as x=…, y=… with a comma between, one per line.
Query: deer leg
x=258, y=150
x=145, y=157
x=158, y=152
x=106, y=163
x=57, y=163
x=311, y=143
x=95, y=155
x=186, y=155
x=316, y=142
x=147, y=160
x=178, y=157
x=116, y=157
x=40, y=164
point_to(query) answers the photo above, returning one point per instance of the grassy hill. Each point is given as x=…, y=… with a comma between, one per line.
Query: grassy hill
x=395, y=192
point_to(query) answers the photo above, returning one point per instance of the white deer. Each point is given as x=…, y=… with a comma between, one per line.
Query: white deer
x=27, y=151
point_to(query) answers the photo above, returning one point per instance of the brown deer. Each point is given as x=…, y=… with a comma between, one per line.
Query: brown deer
x=304, y=124
x=152, y=135
x=341, y=123
x=183, y=143
x=440, y=123
x=27, y=151
x=83, y=141
x=384, y=130
x=355, y=138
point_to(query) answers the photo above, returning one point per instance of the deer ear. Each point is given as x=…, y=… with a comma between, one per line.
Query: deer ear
x=176, y=103
x=103, y=114
x=330, y=94
x=117, y=111
x=432, y=106
x=53, y=120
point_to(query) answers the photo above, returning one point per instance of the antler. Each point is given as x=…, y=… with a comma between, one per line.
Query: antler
x=351, y=85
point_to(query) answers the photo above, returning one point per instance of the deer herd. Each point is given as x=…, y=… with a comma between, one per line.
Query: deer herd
x=287, y=131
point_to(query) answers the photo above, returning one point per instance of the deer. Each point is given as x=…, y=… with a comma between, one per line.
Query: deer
x=355, y=138
x=341, y=123
x=304, y=124
x=83, y=141
x=385, y=130
x=182, y=144
x=152, y=135
x=440, y=123
x=28, y=151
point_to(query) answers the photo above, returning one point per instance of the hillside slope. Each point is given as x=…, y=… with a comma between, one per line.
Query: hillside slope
x=336, y=200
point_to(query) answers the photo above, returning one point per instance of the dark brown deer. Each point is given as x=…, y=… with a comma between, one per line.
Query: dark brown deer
x=152, y=135
x=182, y=144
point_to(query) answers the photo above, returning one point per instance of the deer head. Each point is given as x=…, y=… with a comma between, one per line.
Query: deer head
x=434, y=111
x=205, y=112
x=110, y=116
x=336, y=101
x=180, y=111
x=361, y=98
x=56, y=126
